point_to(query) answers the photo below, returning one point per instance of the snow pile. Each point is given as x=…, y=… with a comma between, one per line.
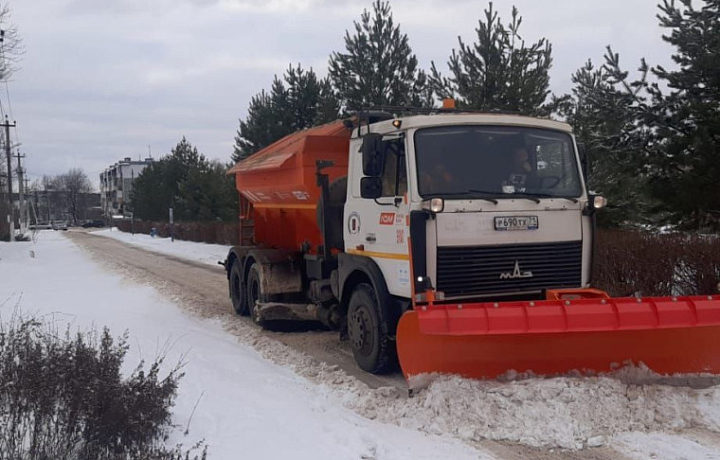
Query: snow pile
x=664, y=447
x=571, y=412
x=204, y=253
x=567, y=412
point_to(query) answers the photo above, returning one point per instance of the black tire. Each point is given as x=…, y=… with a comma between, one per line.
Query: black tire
x=237, y=291
x=254, y=292
x=368, y=331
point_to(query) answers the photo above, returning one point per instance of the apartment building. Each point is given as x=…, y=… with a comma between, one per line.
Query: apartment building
x=116, y=185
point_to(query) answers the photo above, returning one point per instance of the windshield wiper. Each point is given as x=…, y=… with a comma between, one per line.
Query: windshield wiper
x=544, y=195
x=526, y=196
x=471, y=194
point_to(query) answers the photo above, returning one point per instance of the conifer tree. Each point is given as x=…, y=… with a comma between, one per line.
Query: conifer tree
x=378, y=67
x=604, y=110
x=196, y=189
x=499, y=71
x=299, y=100
x=685, y=118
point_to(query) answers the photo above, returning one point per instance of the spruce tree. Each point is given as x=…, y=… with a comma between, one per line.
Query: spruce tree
x=499, y=71
x=297, y=101
x=685, y=117
x=379, y=67
x=196, y=189
x=604, y=110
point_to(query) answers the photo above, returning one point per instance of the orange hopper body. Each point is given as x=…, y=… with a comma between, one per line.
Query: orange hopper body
x=280, y=185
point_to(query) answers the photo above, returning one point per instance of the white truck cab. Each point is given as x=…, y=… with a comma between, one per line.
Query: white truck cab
x=470, y=206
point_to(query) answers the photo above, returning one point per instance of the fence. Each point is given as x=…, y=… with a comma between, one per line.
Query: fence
x=202, y=232
x=625, y=262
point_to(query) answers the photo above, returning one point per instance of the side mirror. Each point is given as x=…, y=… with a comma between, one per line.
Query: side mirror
x=582, y=151
x=372, y=154
x=371, y=187
x=595, y=202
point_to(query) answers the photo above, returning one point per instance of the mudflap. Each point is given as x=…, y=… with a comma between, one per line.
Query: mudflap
x=486, y=340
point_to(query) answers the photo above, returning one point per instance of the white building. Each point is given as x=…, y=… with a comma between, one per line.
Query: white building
x=116, y=185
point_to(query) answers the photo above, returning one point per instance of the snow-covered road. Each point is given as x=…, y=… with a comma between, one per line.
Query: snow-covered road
x=256, y=408
x=208, y=254
x=248, y=407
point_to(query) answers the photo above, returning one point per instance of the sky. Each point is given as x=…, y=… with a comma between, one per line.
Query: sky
x=103, y=80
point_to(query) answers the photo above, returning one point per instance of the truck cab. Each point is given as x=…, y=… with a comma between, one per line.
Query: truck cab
x=469, y=206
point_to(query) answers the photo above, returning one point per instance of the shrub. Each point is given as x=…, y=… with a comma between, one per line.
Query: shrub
x=64, y=397
x=629, y=262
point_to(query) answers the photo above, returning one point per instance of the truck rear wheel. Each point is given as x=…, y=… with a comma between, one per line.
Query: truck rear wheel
x=254, y=292
x=237, y=293
x=369, y=339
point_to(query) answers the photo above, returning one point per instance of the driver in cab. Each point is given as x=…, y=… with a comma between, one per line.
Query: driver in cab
x=437, y=180
x=521, y=171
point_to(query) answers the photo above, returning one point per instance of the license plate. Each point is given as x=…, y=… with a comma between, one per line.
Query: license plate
x=516, y=223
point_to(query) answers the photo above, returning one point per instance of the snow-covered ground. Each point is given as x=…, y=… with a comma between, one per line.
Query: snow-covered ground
x=280, y=407
x=247, y=407
x=199, y=252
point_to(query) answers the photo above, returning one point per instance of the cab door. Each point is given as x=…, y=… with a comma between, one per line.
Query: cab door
x=377, y=228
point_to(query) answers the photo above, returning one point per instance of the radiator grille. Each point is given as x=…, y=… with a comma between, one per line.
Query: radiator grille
x=476, y=270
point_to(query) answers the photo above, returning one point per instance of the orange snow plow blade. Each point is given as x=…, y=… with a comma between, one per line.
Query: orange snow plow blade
x=485, y=340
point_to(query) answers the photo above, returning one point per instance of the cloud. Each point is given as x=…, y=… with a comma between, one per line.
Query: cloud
x=102, y=80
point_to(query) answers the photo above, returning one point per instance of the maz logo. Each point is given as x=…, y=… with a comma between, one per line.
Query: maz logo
x=516, y=273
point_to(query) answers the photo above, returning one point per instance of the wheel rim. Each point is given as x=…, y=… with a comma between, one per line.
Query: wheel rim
x=360, y=330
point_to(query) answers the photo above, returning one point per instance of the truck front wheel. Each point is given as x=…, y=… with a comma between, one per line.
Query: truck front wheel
x=237, y=294
x=371, y=345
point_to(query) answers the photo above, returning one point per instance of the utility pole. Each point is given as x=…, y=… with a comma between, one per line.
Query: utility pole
x=8, y=155
x=27, y=198
x=21, y=192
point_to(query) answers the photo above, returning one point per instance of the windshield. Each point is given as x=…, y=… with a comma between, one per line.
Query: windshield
x=496, y=161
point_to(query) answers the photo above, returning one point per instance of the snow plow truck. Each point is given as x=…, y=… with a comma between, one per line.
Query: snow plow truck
x=449, y=242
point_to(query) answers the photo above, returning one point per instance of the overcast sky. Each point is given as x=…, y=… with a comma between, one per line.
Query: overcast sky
x=104, y=79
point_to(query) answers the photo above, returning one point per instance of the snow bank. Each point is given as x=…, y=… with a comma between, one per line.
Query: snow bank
x=199, y=252
x=664, y=447
x=571, y=412
x=247, y=407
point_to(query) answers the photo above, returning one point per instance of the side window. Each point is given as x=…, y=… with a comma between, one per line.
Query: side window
x=394, y=178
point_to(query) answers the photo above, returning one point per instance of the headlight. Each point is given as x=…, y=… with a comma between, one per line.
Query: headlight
x=434, y=205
